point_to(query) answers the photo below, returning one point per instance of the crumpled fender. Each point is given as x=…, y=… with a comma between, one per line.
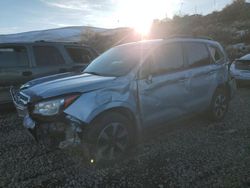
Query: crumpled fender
x=90, y=105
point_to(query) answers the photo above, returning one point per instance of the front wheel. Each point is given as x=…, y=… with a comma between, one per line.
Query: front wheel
x=219, y=105
x=111, y=137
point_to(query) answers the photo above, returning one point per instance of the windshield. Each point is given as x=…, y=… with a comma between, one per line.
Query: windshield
x=117, y=61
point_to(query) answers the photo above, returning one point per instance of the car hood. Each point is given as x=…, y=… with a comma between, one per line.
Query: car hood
x=66, y=83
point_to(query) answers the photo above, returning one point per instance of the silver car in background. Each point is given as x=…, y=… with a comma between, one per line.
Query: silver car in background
x=127, y=89
x=240, y=69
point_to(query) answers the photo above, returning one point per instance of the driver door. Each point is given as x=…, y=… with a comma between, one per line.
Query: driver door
x=162, y=86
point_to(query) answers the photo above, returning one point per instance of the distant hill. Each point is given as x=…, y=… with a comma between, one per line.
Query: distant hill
x=66, y=34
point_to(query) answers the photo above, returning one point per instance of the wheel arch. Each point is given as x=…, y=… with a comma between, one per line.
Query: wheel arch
x=123, y=110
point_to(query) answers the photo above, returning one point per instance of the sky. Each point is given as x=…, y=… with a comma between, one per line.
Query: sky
x=28, y=15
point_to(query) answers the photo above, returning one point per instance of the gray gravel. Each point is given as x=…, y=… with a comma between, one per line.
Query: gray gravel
x=193, y=153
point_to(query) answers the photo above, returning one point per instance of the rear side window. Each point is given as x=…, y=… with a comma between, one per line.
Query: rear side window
x=47, y=56
x=167, y=58
x=79, y=55
x=197, y=54
x=216, y=54
x=14, y=57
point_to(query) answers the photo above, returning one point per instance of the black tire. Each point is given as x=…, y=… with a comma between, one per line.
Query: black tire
x=219, y=105
x=110, y=138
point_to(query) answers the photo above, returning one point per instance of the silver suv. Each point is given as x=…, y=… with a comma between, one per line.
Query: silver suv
x=125, y=90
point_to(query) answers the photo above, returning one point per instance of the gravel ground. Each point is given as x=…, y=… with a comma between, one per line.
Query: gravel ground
x=194, y=153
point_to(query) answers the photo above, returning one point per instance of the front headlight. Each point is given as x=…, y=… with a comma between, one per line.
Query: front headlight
x=53, y=107
x=49, y=108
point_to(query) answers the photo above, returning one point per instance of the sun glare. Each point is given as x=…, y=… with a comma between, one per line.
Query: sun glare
x=142, y=28
x=140, y=14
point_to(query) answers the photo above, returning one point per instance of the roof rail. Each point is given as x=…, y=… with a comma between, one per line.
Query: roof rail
x=58, y=41
x=189, y=36
x=40, y=41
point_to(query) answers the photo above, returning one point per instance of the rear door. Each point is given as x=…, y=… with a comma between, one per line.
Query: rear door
x=80, y=57
x=14, y=69
x=163, y=92
x=201, y=75
x=47, y=60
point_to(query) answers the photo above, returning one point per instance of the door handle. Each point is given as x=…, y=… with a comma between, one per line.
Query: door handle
x=211, y=72
x=182, y=80
x=27, y=73
x=77, y=68
x=62, y=70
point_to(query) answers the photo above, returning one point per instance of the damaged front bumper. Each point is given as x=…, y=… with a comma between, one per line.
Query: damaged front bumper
x=62, y=132
x=21, y=107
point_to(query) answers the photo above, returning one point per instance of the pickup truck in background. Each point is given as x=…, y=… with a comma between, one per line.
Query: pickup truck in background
x=21, y=62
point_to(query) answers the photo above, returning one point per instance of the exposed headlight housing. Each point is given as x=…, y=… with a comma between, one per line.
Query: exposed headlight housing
x=49, y=108
x=53, y=107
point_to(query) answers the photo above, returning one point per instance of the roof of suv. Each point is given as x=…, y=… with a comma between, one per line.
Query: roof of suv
x=44, y=42
x=172, y=39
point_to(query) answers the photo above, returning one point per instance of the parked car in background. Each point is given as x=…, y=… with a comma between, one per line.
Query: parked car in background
x=128, y=89
x=240, y=69
x=21, y=62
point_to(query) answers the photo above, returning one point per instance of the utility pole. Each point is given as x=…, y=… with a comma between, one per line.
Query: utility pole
x=180, y=12
x=195, y=9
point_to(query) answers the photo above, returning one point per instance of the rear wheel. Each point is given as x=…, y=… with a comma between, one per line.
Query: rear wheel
x=111, y=137
x=219, y=105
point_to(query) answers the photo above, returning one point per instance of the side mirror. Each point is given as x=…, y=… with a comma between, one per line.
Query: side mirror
x=149, y=79
x=146, y=75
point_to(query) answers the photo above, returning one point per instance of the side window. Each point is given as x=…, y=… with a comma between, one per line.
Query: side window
x=47, y=56
x=168, y=58
x=79, y=55
x=14, y=57
x=197, y=54
x=216, y=54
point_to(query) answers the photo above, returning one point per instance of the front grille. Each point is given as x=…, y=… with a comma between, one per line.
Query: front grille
x=22, y=98
x=19, y=98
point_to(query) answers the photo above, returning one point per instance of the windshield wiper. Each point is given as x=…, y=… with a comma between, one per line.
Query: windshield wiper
x=94, y=73
x=98, y=74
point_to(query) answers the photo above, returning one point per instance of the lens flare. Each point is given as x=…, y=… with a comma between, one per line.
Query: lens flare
x=139, y=14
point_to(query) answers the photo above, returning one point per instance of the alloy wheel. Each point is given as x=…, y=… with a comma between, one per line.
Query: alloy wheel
x=220, y=105
x=112, y=142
